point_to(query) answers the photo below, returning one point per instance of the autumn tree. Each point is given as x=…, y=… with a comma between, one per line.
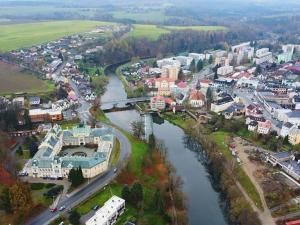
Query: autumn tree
x=138, y=129
x=20, y=199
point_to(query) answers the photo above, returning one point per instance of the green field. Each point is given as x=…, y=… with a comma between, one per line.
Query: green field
x=14, y=36
x=197, y=28
x=153, y=32
x=13, y=80
x=153, y=16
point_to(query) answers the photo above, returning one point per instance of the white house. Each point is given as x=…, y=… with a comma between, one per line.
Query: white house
x=225, y=70
x=109, y=213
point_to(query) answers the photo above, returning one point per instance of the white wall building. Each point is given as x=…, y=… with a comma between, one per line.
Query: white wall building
x=109, y=213
x=225, y=70
x=263, y=55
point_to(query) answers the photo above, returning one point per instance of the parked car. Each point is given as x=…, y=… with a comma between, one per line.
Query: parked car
x=53, y=209
x=96, y=207
x=115, y=170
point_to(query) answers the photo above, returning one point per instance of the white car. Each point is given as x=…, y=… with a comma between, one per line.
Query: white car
x=62, y=208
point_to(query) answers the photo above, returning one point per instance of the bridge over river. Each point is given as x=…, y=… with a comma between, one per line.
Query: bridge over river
x=108, y=104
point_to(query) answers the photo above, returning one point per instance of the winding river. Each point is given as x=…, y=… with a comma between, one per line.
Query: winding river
x=205, y=206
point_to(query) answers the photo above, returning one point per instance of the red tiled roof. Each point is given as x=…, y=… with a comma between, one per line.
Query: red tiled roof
x=295, y=222
x=196, y=95
x=182, y=84
x=206, y=81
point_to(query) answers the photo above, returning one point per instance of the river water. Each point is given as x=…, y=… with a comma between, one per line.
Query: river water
x=187, y=157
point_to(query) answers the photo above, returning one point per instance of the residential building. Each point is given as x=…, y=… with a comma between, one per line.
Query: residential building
x=252, y=126
x=287, y=162
x=294, y=135
x=109, y=213
x=157, y=103
x=41, y=115
x=287, y=54
x=163, y=86
x=197, y=56
x=263, y=55
x=168, y=61
x=253, y=111
x=222, y=104
x=170, y=71
x=184, y=60
x=34, y=100
x=196, y=99
x=225, y=70
x=286, y=129
x=264, y=127
x=19, y=101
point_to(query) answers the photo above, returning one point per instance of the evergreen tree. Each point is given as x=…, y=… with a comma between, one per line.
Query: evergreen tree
x=193, y=66
x=74, y=217
x=210, y=60
x=158, y=201
x=136, y=194
x=5, y=200
x=76, y=177
x=126, y=193
x=199, y=65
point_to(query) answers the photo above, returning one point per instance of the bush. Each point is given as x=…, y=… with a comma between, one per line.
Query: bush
x=50, y=185
x=53, y=191
x=37, y=186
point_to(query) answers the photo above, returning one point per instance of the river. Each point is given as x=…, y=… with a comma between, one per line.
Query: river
x=187, y=157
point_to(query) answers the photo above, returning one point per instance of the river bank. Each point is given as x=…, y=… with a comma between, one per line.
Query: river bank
x=231, y=180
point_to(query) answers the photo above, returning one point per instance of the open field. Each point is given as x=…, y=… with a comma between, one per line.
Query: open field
x=153, y=32
x=148, y=31
x=13, y=80
x=16, y=36
x=197, y=28
x=153, y=16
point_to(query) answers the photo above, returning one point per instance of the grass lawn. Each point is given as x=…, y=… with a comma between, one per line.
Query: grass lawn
x=240, y=174
x=179, y=119
x=14, y=36
x=99, y=198
x=68, y=124
x=13, y=80
x=151, y=32
x=115, y=153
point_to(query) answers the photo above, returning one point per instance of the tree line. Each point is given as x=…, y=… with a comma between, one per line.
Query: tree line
x=119, y=50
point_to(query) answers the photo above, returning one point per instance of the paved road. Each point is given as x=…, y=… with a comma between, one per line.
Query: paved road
x=248, y=97
x=91, y=188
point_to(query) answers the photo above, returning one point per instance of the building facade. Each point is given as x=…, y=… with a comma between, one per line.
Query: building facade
x=51, y=162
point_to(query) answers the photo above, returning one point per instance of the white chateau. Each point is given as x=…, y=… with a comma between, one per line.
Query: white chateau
x=51, y=162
